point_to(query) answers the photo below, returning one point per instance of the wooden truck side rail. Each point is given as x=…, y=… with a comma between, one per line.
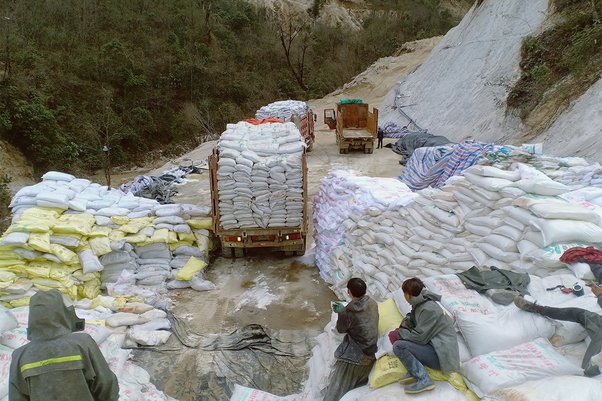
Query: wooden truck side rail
x=305, y=123
x=234, y=241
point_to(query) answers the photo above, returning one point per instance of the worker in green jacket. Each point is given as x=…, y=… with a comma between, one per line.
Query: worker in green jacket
x=59, y=364
x=426, y=337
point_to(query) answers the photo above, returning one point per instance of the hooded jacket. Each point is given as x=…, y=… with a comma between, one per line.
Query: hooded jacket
x=359, y=321
x=59, y=364
x=427, y=322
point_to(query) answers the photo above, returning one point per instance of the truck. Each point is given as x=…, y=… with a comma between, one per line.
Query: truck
x=356, y=126
x=295, y=111
x=235, y=242
x=305, y=123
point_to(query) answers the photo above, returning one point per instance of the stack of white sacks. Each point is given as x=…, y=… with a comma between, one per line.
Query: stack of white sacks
x=517, y=219
x=283, y=110
x=73, y=235
x=260, y=176
x=133, y=323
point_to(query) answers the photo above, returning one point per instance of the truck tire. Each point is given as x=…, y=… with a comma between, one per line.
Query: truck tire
x=300, y=252
x=368, y=151
x=239, y=252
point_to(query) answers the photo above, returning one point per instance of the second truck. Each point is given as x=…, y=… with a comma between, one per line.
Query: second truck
x=356, y=126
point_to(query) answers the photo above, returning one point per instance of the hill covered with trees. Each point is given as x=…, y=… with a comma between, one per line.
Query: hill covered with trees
x=148, y=77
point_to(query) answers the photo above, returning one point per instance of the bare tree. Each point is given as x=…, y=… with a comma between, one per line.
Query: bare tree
x=295, y=30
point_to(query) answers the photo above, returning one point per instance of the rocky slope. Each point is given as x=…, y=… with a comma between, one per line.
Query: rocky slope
x=460, y=90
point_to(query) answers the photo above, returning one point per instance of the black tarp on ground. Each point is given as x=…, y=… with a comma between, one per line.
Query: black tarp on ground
x=205, y=368
x=405, y=146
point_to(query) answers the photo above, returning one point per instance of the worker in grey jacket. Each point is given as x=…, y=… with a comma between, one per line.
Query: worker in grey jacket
x=355, y=355
x=59, y=364
x=426, y=336
x=591, y=322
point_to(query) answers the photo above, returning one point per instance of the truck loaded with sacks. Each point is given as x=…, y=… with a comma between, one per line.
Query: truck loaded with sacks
x=259, y=188
x=295, y=111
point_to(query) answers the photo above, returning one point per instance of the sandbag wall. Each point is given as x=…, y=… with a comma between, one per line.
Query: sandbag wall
x=508, y=215
x=75, y=236
x=260, y=176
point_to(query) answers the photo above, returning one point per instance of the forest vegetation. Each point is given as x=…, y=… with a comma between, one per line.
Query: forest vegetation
x=151, y=78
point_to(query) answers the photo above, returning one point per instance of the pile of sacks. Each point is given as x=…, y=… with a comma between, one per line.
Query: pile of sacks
x=582, y=176
x=517, y=219
x=76, y=236
x=260, y=176
x=342, y=196
x=283, y=110
x=134, y=324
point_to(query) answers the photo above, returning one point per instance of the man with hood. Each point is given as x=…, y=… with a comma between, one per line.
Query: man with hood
x=426, y=336
x=59, y=364
x=355, y=355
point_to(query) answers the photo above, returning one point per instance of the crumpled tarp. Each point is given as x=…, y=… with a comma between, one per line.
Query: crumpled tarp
x=254, y=356
x=161, y=188
x=395, y=131
x=406, y=145
x=431, y=167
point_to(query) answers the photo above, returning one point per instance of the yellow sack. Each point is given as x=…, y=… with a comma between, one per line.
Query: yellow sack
x=29, y=226
x=80, y=223
x=81, y=276
x=90, y=289
x=176, y=245
x=172, y=237
x=64, y=254
x=71, y=292
x=7, y=276
x=389, y=317
x=19, y=302
x=203, y=244
x=41, y=213
x=187, y=237
x=116, y=235
x=10, y=262
x=204, y=223
x=135, y=225
x=100, y=245
x=40, y=242
x=161, y=235
x=120, y=220
x=136, y=238
x=192, y=266
x=100, y=231
x=388, y=369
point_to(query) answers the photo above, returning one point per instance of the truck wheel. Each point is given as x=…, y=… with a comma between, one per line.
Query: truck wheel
x=368, y=151
x=300, y=252
x=341, y=151
x=239, y=252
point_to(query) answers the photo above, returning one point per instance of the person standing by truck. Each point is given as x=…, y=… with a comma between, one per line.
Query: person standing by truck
x=355, y=355
x=380, y=135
